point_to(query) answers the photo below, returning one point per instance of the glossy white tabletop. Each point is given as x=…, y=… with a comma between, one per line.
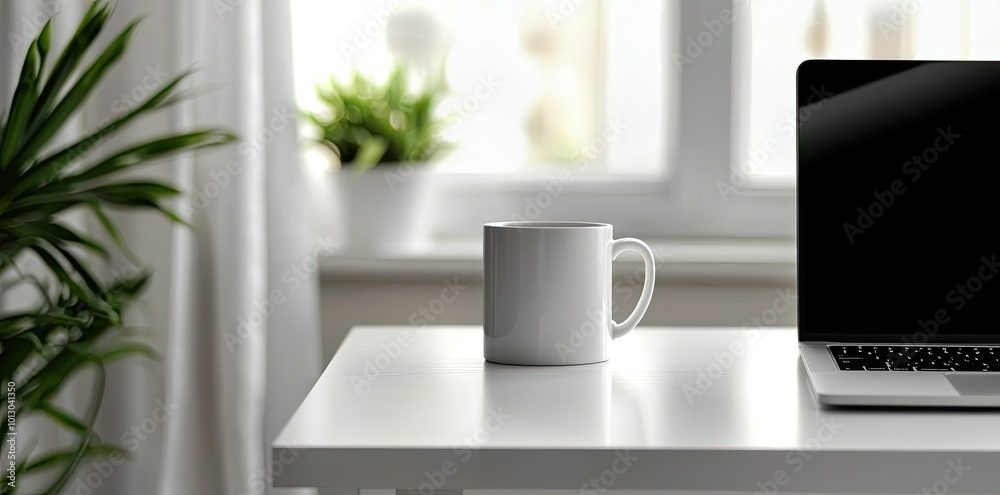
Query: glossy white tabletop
x=707, y=408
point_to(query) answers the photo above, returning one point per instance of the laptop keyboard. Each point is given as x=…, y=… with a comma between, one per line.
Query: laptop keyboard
x=916, y=358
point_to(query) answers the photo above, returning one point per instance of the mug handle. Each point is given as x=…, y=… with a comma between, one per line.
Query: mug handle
x=619, y=246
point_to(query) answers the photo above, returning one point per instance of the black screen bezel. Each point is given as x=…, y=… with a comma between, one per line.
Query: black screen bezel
x=805, y=78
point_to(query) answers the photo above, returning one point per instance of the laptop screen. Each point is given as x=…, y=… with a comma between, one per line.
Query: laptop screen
x=898, y=191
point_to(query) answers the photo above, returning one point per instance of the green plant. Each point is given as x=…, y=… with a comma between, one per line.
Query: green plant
x=371, y=123
x=78, y=322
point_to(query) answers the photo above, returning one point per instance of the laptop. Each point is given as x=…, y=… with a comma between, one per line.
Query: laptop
x=898, y=231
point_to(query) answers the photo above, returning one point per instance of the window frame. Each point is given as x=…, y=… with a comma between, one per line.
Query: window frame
x=708, y=98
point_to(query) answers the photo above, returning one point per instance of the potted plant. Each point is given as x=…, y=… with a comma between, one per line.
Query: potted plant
x=77, y=321
x=382, y=135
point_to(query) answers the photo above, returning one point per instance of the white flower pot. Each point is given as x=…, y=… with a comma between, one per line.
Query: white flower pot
x=385, y=210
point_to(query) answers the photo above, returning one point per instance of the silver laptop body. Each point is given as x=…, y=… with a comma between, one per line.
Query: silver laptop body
x=897, y=232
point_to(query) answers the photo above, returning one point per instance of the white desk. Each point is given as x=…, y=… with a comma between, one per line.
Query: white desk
x=662, y=413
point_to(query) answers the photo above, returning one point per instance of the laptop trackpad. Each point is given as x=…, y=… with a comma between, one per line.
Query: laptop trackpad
x=975, y=384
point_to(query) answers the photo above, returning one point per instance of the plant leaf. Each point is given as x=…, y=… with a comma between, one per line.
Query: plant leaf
x=75, y=97
x=109, y=227
x=32, y=339
x=90, y=26
x=370, y=152
x=82, y=271
x=20, y=109
x=60, y=456
x=63, y=275
x=152, y=150
x=49, y=168
x=62, y=417
x=57, y=234
x=44, y=43
x=120, y=350
x=84, y=444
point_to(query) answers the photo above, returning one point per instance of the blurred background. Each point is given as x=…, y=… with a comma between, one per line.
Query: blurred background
x=687, y=142
x=372, y=141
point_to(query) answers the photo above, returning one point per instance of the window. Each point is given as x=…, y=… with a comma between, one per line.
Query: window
x=535, y=85
x=705, y=90
x=666, y=174
x=786, y=32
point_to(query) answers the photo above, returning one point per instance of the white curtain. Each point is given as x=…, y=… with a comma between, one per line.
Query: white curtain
x=233, y=306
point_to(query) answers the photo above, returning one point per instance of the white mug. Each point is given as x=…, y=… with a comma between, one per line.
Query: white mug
x=547, y=298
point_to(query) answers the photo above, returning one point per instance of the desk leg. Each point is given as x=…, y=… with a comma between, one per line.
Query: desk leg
x=404, y=491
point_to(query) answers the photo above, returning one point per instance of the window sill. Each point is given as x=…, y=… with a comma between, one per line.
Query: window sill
x=707, y=261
